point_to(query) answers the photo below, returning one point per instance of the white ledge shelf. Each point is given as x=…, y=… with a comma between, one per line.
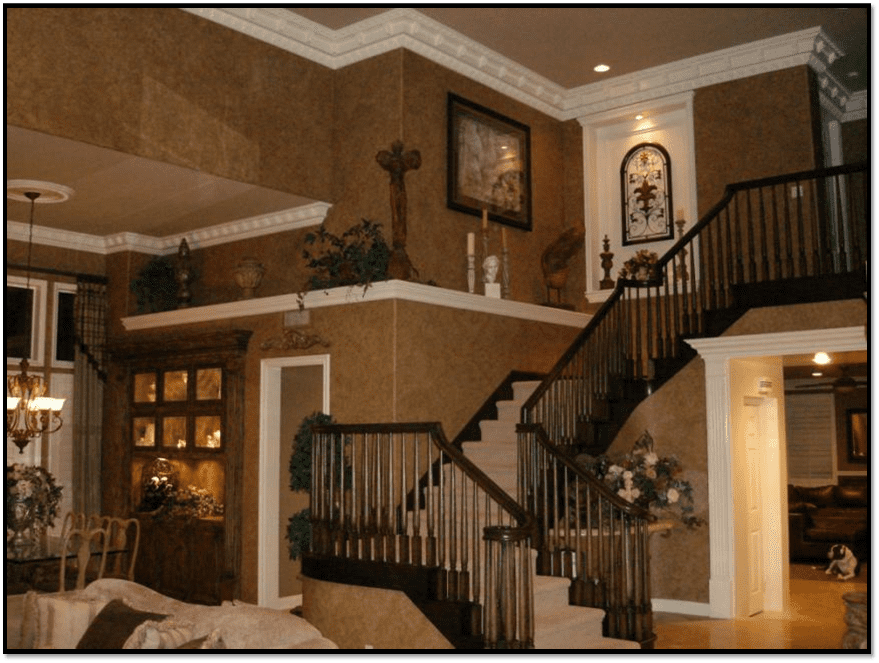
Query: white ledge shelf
x=383, y=290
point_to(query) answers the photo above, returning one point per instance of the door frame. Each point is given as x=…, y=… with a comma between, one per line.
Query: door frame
x=269, y=448
x=723, y=536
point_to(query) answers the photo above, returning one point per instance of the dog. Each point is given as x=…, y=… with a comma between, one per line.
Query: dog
x=842, y=562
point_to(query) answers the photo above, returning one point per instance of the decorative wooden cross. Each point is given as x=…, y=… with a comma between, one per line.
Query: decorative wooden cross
x=397, y=162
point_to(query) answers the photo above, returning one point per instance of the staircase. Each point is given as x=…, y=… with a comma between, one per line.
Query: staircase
x=549, y=533
x=557, y=624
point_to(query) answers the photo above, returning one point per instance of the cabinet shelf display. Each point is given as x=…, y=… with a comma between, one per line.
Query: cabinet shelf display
x=178, y=409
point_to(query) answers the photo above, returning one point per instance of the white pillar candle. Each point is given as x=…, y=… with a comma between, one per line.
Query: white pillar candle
x=471, y=244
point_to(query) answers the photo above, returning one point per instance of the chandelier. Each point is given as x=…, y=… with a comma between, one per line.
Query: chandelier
x=29, y=411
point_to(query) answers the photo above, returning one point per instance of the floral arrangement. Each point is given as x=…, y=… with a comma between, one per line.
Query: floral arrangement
x=35, y=486
x=642, y=260
x=192, y=502
x=644, y=478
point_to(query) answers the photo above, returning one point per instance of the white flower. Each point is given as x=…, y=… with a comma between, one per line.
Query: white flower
x=614, y=469
x=651, y=459
x=627, y=474
x=672, y=495
x=628, y=493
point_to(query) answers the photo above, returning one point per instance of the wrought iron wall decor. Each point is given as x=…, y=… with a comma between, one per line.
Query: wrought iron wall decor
x=645, y=176
x=489, y=164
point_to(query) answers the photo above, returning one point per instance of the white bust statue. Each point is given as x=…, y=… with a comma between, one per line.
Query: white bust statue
x=489, y=268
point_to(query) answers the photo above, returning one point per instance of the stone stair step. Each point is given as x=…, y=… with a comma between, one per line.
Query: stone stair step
x=567, y=628
x=509, y=411
x=523, y=390
x=498, y=431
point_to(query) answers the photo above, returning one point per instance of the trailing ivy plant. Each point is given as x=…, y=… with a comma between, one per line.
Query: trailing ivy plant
x=299, y=525
x=358, y=256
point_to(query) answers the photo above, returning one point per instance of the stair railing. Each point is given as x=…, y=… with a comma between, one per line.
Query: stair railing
x=476, y=537
x=798, y=229
x=588, y=534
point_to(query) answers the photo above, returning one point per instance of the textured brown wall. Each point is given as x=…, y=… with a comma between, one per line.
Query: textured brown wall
x=856, y=141
x=163, y=84
x=752, y=128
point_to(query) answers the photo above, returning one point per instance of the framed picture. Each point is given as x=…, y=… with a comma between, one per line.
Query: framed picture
x=489, y=160
x=858, y=433
x=645, y=176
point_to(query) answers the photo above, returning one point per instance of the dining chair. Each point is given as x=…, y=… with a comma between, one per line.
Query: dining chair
x=123, y=541
x=82, y=544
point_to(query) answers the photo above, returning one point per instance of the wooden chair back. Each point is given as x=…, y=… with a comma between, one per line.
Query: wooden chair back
x=81, y=543
x=122, y=534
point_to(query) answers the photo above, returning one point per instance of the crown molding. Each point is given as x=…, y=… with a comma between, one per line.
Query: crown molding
x=837, y=339
x=409, y=28
x=381, y=291
x=391, y=30
x=233, y=231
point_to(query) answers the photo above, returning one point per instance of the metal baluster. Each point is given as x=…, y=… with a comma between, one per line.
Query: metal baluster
x=801, y=231
x=752, y=258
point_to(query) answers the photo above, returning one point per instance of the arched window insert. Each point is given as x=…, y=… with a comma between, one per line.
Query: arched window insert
x=646, y=188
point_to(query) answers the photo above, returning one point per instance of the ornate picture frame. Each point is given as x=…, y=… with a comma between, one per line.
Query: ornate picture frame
x=489, y=164
x=857, y=422
x=645, y=178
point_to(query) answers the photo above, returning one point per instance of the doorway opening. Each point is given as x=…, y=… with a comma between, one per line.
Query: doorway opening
x=291, y=388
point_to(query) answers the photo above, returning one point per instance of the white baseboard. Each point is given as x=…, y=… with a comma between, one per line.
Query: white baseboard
x=681, y=607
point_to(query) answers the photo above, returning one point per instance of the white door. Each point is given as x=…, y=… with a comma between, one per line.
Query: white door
x=754, y=452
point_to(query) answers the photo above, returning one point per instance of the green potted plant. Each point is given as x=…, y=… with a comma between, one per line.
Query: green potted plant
x=299, y=524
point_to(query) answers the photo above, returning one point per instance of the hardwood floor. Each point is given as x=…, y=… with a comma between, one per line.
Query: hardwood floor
x=814, y=621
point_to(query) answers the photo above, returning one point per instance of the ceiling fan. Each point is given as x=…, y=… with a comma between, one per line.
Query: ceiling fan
x=844, y=384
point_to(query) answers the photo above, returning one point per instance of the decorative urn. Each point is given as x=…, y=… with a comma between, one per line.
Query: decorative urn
x=248, y=276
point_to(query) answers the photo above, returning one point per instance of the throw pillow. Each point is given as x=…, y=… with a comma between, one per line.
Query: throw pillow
x=166, y=634
x=113, y=626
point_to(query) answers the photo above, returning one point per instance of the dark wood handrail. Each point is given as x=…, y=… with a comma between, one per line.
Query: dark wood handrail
x=718, y=239
x=466, y=530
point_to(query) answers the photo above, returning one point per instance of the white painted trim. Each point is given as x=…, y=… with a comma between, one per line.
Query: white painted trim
x=39, y=307
x=294, y=218
x=408, y=28
x=269, y=449
x=716, y=353
x=57, y=288
x=681, y=607
x=381, y=291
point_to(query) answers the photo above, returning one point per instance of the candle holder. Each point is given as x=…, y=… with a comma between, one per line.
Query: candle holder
x=471, y=274
x=684, y=276
x=484, y=251
x=505, y=273
x=607, y=283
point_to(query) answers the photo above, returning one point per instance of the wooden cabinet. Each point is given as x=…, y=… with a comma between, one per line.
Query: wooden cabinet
x=183, y=559
x=176, y=416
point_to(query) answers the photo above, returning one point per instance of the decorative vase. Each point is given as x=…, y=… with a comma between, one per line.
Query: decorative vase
x=23, y=517
x=248, y=276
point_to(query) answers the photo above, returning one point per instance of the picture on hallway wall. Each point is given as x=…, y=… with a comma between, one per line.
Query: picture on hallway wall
x=489, y=164
x=645, y=176
x=858, y=429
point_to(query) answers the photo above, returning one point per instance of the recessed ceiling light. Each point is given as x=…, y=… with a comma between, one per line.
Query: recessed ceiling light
x=821, y=358
x=602, y=68
x=639, y=116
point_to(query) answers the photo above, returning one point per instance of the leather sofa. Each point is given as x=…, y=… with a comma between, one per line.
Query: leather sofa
x=821, y=516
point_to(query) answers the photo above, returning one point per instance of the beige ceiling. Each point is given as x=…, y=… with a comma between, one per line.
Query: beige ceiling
x=563, y=44
x=116, y=192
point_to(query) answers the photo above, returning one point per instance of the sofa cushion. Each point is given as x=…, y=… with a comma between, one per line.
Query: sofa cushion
x=113, y=626
x=58, y=620
x=801, y=507
x=852, y=496
x=820, y=496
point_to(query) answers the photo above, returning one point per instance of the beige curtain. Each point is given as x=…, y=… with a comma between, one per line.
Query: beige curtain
x=88, y=401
